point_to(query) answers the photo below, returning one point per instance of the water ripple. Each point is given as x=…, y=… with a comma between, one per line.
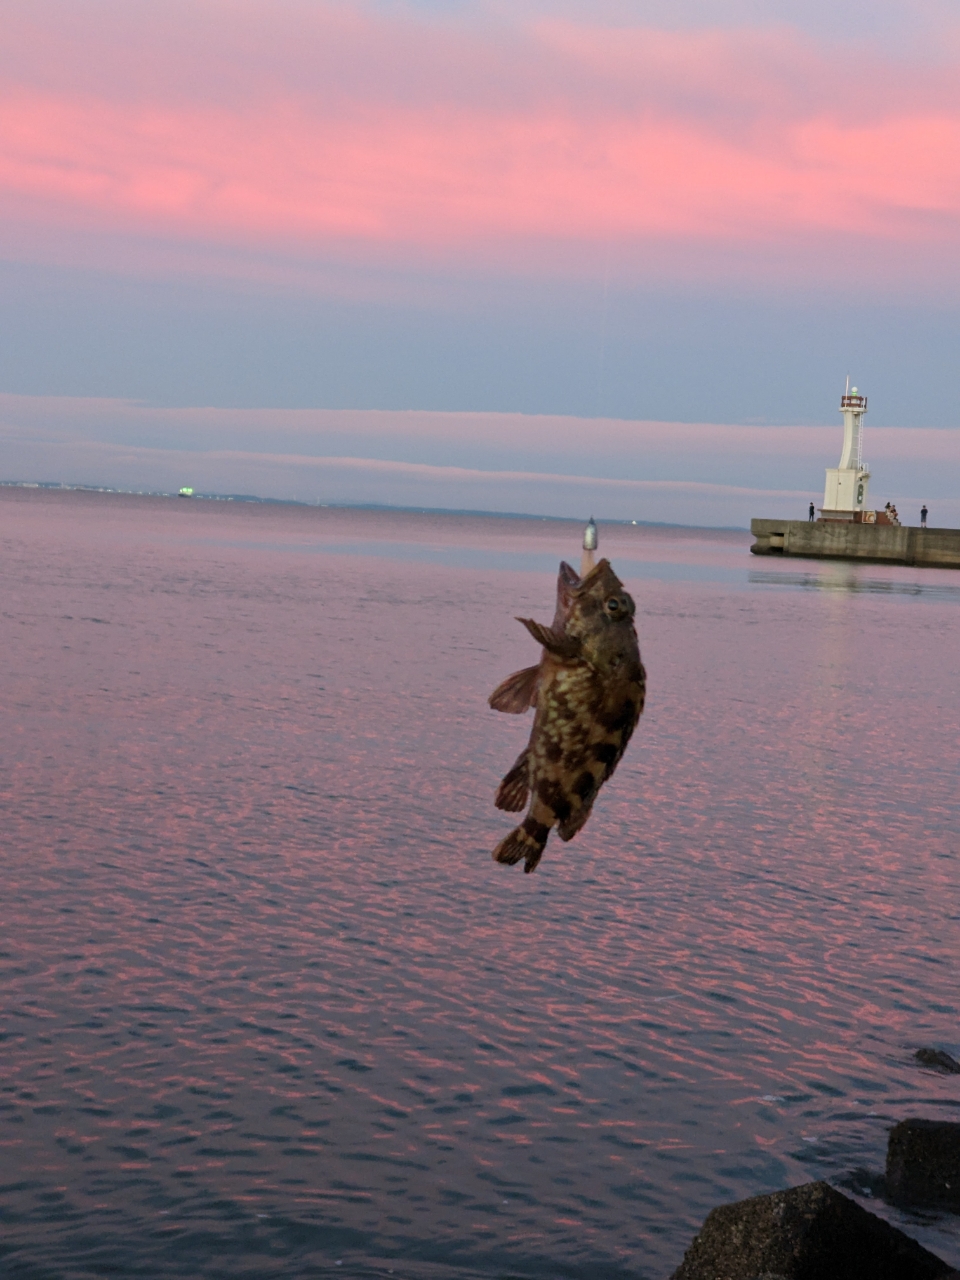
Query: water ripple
x=269, y=1005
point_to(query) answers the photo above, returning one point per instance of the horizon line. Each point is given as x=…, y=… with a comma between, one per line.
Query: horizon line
x=55, y=486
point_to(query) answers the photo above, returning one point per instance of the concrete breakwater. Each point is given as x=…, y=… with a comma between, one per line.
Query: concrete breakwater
x=814, y=1232
x=811, y=1232
x=843, y=540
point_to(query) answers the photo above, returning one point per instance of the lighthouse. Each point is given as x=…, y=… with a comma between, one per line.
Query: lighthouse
x=845, y=493
x=846, y=530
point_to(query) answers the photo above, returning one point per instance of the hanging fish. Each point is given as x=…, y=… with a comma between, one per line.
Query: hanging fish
x=588, y=690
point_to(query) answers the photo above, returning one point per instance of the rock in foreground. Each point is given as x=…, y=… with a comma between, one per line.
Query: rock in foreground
x=811, y=1232
x=923, y=1164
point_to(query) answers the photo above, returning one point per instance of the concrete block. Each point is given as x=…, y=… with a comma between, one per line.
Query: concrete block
x=923, y=1164
x=938, y=1060
x=811, y=1232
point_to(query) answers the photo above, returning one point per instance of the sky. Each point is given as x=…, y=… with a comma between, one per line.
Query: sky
x=504, y=256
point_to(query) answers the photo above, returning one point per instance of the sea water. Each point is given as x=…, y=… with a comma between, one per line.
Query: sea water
x=270, y=1009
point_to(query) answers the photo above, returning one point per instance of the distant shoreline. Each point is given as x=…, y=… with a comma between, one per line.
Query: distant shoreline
x=56, y=486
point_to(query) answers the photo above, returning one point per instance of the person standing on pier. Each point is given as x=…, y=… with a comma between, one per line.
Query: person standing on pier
x=810, y=517
x=923, y=516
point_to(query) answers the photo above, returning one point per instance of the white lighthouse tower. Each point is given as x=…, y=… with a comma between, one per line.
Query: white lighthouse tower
x=845, y=493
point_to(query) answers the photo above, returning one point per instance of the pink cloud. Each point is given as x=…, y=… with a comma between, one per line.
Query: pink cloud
x=414, y=141
x=697, y=473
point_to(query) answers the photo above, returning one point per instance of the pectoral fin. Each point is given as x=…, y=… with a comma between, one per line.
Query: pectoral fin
x=562, y=646
x=517, y=693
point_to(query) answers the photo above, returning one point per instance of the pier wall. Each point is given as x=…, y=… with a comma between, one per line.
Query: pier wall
x=838, y=540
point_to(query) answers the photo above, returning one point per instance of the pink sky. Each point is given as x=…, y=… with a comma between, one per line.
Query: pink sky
x=344, y=132
x=564, y=225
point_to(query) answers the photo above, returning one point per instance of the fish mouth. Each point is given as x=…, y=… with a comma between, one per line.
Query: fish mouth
x=603, y=574
x=600, y=571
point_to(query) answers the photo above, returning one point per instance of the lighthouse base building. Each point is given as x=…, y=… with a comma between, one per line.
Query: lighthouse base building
x=845, y=494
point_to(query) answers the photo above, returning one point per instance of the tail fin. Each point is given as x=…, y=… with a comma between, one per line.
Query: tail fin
x=527, y=841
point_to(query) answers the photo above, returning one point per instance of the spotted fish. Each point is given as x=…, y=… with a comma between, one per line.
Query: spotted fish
x=588, y=690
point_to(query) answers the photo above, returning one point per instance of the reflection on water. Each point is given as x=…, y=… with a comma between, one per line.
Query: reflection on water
x=522, y=558
x=937, y=584
x=269, y=1005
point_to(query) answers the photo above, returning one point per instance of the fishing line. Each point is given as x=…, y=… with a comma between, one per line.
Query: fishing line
x=603, y=328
